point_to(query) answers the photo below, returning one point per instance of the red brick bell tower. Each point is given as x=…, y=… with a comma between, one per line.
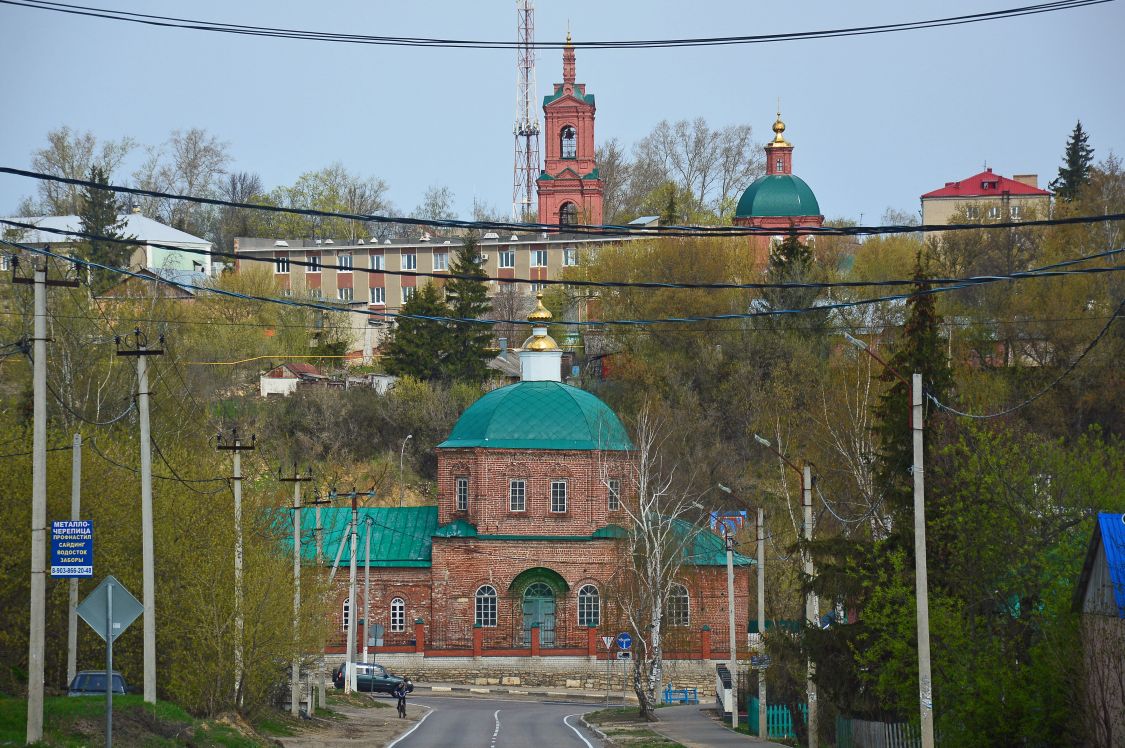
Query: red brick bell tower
x=570, y=189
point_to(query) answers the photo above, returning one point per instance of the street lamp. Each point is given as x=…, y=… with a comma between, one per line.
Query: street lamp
x=811, y=604
x=921, y=585
x=403, y=449
x=763, y=730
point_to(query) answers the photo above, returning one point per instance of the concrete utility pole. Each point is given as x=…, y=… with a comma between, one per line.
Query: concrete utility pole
x=350, y=681
x=72, y=602
x=811, y=613
x=729, y=538
x=237, y=448
x=921, y=582
x=366, y=586
x=136, y=345
x=763, y=731
x=295, y=673
x=36, y=633
x=322, y=687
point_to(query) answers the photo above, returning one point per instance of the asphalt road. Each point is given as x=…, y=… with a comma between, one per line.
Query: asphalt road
x=498, y=723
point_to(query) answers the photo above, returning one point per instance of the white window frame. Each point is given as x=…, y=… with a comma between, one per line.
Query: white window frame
x=344, y=261
x=570, y=257
x=377, y=262
x=409, y=261
x=507, y=258
x=398, y=615
x=315, y=293
x=280, y=265
x=346, y=613
x=679, y=613
x=538, y=258
x=613, y=494
x=1015, y=212
x=378, y=295
x=778, y=165
x=484, y=606
x=589, y=607
x=344, y=294
x=314, y=265
x=408, y=293
x=994, y=211
x=537, y=287
x=461, y=493
x=441, y=260
x=558, y=496
x=517, y=495
x=287, y=292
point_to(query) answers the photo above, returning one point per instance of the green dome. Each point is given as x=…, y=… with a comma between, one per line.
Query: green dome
x=539, y=415
x=777, y=195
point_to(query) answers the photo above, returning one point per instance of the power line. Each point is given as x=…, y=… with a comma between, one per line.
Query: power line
x=1042, y=272
x=712, y=285
x=608, y=230
x=1045, y=390
x=173, y=22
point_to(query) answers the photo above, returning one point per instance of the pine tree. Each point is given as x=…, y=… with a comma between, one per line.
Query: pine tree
x=98, y=215
x=1075, y=171
x=419, y=347
x=792, y=261
x=468, y=300
x=921, y=350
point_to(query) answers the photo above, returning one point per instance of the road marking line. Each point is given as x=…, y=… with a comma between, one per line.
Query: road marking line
x=405, y=735
x=496, y=732
x=576, y=731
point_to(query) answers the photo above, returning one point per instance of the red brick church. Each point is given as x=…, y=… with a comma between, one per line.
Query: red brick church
x=523, y=552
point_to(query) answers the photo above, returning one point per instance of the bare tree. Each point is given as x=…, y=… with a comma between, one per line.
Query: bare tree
x=190, y=163
x=654, y=552
x=71, y=154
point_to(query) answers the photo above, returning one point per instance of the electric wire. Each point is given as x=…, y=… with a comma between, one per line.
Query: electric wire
x=607, y=230
x=1066, y=372
x=173, y=22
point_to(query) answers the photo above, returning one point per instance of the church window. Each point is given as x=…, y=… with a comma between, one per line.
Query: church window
x=589, y=606
x=461, y=489
x=558, y=496
x=485, y=611
x=517, y=495
x=569, y=142
x=568, y=214
x=507, y=259
x=778, y=166
x=346, y=613
x=539, y=258
x=410, y=261
x=613, y=487
x=398, y=615
x=679, y=606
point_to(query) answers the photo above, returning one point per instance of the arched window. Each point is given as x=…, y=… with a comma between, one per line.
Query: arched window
x=485, y=614
x=568, y=214
x=346, y=612
x=589, y=606
x=568, y=142
x=679, y=606
x=398, y=615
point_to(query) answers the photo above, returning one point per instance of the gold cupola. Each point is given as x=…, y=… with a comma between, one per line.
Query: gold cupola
x=779, y=140
x=539, y=319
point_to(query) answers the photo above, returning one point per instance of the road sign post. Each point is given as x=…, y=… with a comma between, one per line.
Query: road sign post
x=624, y=640
x=608, y=642
x=109, y=620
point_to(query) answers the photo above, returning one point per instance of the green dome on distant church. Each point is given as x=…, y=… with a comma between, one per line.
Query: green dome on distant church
x=777, y=195
x=539, y=415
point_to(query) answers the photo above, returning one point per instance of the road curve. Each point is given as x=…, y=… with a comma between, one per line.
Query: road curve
x=498, y=723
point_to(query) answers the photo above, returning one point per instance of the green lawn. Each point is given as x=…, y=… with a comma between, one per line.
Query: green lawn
x=74, y=722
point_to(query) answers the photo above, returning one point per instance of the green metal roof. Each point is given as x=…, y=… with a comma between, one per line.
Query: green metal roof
x=400, y=536
x=777, y=195
x=705, y=547
x=558, y=94
x=539, y=415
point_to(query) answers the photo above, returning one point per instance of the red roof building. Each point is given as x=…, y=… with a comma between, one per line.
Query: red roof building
x=986, y=195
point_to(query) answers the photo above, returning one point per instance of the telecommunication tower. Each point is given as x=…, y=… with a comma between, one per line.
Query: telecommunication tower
x=527, y=126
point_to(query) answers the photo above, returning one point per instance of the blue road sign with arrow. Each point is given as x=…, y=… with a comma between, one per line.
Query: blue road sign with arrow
x=624, y=640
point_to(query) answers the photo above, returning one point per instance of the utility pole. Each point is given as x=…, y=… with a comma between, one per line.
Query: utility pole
x=72, y=603
x=811, y=615
x=728, y=536
x=350, y=681
x=322, y=687
x=237, y=448
x=921, y=582
x=763, y=731
x=295, y=673
x=136, y=345
x=366, y=586
x=36, y=634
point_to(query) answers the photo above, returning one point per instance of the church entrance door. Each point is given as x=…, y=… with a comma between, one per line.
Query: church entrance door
x=539, y=608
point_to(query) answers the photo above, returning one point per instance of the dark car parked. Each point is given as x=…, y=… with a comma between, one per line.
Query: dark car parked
x=369, y=677
x=92, y=683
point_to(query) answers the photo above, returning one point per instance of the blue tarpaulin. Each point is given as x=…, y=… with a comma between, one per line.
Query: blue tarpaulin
x=1113, y=540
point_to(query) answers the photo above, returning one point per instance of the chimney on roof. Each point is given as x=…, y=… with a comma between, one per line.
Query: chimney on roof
x=1031, y=180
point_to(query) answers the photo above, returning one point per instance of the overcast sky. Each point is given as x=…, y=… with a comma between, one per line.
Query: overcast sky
x=876, y=120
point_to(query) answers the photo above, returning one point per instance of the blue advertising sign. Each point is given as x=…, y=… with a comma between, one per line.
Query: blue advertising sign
x=624, y=640
x=72, y=548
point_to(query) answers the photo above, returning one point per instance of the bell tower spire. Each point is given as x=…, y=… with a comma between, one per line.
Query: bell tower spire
x=568, y=61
